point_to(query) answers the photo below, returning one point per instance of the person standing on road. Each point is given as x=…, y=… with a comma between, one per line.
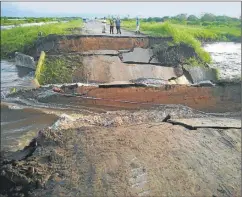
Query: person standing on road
x=137, y=25
x=118, y=24
x=104, y=22
x=111, y=25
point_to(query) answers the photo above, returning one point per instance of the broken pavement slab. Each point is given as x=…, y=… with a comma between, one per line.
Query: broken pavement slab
x=24, y=60
x=209, y=122
x=199, y=74
x=140, y=55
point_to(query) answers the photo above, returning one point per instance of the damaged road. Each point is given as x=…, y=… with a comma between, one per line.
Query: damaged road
x=217, y=123
x=124, y=153
x=146, y=148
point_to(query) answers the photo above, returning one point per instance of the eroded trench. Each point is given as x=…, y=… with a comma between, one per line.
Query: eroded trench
x=125, y=73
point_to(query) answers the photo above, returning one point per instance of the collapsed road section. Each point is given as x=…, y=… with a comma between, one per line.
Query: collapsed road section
x=139, y=141
x=114, y=58
x=131, y=72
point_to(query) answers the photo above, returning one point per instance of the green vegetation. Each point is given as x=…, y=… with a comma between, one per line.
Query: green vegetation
x=16, y=39
x=190, y=30
x=22, y=20
x=208, y=27
x=193, y=62
x=57, y=69
x=55, y=72
x=6, y=21
x=179, y=35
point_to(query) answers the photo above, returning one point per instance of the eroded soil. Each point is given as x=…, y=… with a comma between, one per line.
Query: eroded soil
x=130, y=154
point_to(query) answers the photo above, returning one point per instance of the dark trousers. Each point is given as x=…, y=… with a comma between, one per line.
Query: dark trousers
x=111, y=29
x=118, y=30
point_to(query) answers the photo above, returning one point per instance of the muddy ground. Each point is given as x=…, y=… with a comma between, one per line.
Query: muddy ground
x=123, y=153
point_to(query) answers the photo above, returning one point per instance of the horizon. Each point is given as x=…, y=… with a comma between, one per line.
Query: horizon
x=122, y=9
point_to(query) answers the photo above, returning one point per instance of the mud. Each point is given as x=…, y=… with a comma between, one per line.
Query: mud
x=173, y=55
x=215, y=99
x=128, y=154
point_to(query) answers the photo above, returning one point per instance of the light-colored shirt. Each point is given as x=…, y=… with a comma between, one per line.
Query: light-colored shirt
x=137, y=22
x=118, y=21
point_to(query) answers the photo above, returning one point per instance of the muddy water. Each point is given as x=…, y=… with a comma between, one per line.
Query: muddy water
x=227, y=57
x=19, y=125
x=14, y=76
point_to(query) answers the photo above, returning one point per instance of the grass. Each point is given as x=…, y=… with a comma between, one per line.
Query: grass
x=193, y=62
x=179, y=35
x=189, y=34
x=16, y=39
x=58, y=69
x=55, y=72
x=211, y=32
x=12, y=22
x=7, y=21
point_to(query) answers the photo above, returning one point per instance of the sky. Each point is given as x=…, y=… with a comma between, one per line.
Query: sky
x=133, y=9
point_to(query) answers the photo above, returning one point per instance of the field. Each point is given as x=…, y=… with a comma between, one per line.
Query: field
x=17, y=21
x=16, y=39
x=191, y=30
x=206, y=33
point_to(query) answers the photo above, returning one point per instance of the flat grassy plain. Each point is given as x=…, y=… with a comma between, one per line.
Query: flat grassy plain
x=212, y=32
x=16, y=39
x=17, y=21
x=191, y=35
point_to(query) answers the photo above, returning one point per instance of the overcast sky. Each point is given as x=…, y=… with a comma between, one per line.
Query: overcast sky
x=145, y=9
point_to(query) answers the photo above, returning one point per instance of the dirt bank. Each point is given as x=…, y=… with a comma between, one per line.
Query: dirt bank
x=129, y=154
x=220, y=98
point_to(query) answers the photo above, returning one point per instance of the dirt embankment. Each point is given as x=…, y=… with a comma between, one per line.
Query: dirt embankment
x=128, y=154
x=222, y=98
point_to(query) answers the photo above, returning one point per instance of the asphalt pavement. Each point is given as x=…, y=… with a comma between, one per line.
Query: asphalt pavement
x=95, y=28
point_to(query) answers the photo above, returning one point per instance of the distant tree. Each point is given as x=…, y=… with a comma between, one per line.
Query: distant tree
x=208, y=17
x=165, y=18
x=181, y=17
x=157, y=19
x=149, y=19
x=192, y=18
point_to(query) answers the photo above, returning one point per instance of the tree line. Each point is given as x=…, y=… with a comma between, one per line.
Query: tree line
x=205, y=20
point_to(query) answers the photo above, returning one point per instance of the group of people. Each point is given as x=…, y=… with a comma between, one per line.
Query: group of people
x=117, y=23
